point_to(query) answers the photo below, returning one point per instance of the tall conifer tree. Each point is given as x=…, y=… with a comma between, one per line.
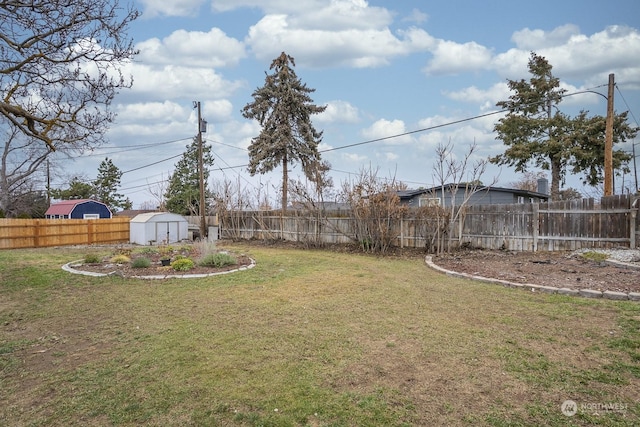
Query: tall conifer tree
x=106, y=186
x=183, y=193
x=284, y=109
x=536, y=131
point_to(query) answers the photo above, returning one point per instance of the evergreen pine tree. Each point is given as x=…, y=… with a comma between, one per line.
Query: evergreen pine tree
x=284, y=108
x=106, y=186
x=183, y=193
x=535, y=131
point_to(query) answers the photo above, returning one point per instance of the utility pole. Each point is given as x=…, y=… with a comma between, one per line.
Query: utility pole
x=203, y=221
x=608, y=142
x=49, y=184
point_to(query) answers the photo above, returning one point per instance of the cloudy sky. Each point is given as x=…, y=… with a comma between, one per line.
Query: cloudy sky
x=382, y=67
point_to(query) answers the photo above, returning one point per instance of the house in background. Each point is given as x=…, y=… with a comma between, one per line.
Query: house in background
x=78, y=209
x=443, y=196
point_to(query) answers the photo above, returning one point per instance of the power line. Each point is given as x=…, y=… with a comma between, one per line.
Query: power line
x=133, y=147
x=455, y=122
x=152, y=164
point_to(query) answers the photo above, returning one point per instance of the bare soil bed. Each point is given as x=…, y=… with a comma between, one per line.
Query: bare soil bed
x=557, y=269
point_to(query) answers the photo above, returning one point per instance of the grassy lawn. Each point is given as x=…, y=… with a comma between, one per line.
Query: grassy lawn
x=306, y=338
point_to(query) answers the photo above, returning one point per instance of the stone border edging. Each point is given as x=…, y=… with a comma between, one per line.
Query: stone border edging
x=587, y=293
x=68, y=267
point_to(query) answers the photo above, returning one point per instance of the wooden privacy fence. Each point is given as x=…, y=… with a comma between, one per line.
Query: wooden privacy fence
x=555, y=226
x=37, y=233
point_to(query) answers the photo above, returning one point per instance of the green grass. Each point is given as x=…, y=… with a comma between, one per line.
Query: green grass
x=306, y=338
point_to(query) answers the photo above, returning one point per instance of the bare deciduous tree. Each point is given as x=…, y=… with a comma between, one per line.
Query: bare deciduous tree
x=308, y=199
x=375, y=207
x=21, y=161
x=60, y=67
x=458, y=180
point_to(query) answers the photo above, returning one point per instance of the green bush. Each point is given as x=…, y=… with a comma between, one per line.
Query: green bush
x=92, y=259
x=182, y=264
x=217, y=260
x=141, y=262
x=595, y=256
x=120, y=259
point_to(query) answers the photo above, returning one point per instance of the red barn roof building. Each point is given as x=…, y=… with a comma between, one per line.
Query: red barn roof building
x=78, y=209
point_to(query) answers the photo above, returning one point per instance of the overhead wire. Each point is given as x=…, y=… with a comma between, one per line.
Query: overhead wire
x=366, y=142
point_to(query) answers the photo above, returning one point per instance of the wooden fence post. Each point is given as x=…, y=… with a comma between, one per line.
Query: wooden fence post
x=535, y=218
x=632, y=229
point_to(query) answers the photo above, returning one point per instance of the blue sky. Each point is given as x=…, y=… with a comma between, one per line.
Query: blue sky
x=382, y=67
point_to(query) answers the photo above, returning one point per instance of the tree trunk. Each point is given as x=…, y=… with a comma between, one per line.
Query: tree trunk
x=285, y=182
x=555, y=179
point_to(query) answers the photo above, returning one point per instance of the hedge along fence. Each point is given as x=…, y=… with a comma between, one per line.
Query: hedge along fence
x=555, y=226
x=38, y=233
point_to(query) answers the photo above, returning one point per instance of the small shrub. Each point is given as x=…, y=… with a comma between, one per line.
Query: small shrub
x=120, y=259
x=595, y=256
x=92, y=259
x=141, y=262
x=182, y=264
x=217, y=260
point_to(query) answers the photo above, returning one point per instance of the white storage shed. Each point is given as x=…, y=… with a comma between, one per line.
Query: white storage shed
x=155, y=228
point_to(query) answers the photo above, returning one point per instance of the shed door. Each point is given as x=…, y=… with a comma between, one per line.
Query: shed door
x=167, y=231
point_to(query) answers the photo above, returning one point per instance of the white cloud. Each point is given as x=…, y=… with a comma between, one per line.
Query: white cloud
x=268, y=6
x=416, y=16
x=358, y=48
x=354, y=158
x=172, y=82
x=195, y=48
x=452, y=58
x=385, y=128
x=486, y=98
x=338, y=112
x=533, y=40
x=577, y=56
x=333, y=33
x=341, y=15
x=615, y=49
x=153, y=8
x=217, y=110
x=166, y=111
x=390, y=156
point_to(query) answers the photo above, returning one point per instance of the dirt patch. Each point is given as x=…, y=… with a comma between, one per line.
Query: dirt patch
x=557, y=269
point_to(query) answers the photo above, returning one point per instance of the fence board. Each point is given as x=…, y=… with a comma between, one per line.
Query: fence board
x=36, y=233
x=554, y=226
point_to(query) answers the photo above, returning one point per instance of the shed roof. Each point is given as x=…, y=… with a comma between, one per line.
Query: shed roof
x=65, y=207
x=158, y=217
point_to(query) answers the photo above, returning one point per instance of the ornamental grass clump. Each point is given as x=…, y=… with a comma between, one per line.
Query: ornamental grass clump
x=217, y=260
x=120, y=259
x=182, y=264
x=92, y=259
x=141, y=262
